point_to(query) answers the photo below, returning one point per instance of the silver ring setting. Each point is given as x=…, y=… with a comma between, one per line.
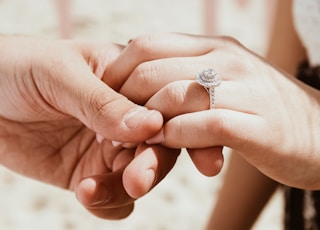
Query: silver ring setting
x=209, y=79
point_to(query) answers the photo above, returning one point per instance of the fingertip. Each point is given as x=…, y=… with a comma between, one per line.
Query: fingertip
x=157, y=139
x=141, y=117
x=85, y=190
x=135, y=125
x=140, y=175
x=216, y=167
x=151, y=164
x=209, y=161
x=89, y=193
x=138, y=183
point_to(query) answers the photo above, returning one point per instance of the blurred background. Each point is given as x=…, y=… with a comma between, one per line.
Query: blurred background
x=185, y=198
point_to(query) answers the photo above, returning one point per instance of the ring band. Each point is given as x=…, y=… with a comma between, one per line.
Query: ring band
x=209, y=79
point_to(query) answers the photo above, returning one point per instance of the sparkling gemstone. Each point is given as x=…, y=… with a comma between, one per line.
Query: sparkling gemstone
x=209, y=78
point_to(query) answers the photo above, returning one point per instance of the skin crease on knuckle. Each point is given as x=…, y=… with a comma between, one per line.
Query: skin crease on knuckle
x=220, y=127
x=175, y=93
x=238, y=63
x=227, y=41
x=145, y=44
x=145, y=74
x=216, y=127
x=100, y=103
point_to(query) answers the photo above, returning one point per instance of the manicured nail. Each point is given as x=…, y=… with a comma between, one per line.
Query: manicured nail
x=100, y=191
x=99, y=138
x=136, y=117
x=157, y=139
x=129, y=145
x=97, y=194
x=151, y=175
x=124, y=145
x=116, y=143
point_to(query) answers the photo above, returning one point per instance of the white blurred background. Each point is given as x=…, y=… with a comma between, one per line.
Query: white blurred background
x=184, y=199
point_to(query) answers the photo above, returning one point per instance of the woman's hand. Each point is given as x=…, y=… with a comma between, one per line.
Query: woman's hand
x=271, y=118
x=53, y=103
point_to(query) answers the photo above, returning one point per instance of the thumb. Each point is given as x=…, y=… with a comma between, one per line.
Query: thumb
x=100, y=108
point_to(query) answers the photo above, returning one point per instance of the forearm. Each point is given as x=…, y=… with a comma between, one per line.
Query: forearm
x=285, y=48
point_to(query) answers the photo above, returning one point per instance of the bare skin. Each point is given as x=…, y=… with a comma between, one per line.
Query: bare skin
x=54, y=103
x=244, y=118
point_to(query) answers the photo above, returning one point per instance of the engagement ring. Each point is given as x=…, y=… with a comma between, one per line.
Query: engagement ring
x=209, y=79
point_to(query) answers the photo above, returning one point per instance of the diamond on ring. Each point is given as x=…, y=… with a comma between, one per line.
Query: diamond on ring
x=209, y=79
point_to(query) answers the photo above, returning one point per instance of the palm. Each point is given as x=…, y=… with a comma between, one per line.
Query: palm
x=38, y=139
x=59, y=152
x=52, y=107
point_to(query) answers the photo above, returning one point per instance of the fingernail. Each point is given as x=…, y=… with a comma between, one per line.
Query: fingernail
x=124, y=145
x=116, y=143
x=130, y=40
x=134, y=118
x=87, y=185
x=99, y=138
x=102, y=195
x=151, y=175
x=129, y=145
x=157, y=139
x=96, y=193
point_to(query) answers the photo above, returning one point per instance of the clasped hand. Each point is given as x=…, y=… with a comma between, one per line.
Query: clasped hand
x=58, y=96
x=53, y=103
x=267, y=116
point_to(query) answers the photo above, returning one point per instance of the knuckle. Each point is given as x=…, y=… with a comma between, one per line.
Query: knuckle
x=243, y=63
x=231, y=41
x=174, y=133
x=175, y=94
x=144, y=43
x=222, y=126
x=226, y=130
x=100, y=105
x=145, y=73
x=144, y=77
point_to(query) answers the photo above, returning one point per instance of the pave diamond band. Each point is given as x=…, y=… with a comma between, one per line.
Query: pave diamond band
x=209, y=79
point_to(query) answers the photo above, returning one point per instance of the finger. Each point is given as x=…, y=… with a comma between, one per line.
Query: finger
x=209, y=161
x=122, y=159
x=103, y=194
x=113, y=213
x=156, y=46
x=188, y=96
x=98, y=54
x=100, y=108
x=178, y=98
x=218, y=127
x=149, y=167
x=151, y=76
